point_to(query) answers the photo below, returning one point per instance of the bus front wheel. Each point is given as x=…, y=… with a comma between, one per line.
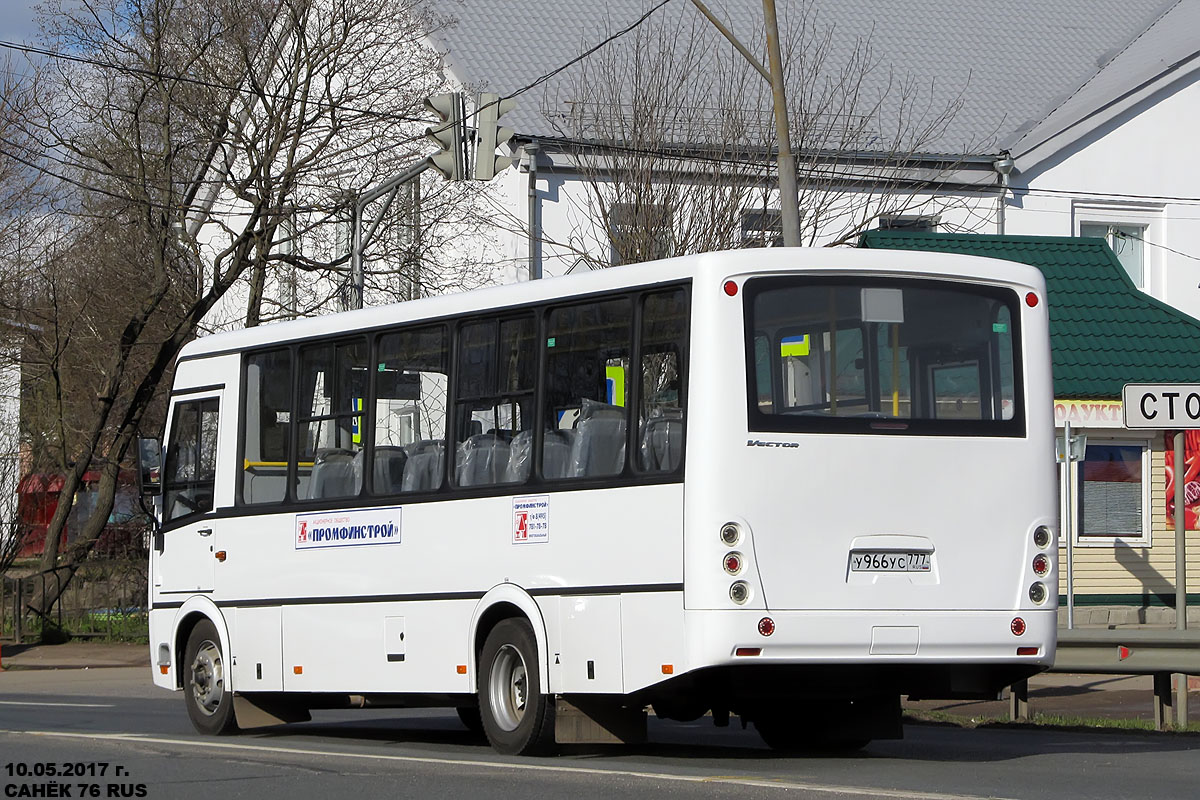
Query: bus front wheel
x=517, y=716
x=206, y=688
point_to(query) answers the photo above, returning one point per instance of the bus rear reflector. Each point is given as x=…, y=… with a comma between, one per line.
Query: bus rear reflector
x=1027, y=651
x=731, y=288
x=748, y=651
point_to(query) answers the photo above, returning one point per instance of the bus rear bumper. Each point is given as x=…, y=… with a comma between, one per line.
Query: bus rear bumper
x=733, y=637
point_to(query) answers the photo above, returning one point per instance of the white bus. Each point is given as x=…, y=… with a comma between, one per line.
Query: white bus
x=788, y=485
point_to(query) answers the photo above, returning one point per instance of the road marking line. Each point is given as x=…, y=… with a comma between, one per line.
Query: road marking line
x=58, y=705
x=898, y=794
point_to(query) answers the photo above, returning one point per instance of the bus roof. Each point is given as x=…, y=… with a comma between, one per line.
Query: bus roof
x=713, y=268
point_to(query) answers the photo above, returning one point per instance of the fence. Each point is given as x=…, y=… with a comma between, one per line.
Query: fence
x=105, y=598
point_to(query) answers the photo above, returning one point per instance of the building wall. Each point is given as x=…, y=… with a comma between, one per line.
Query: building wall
x=1140, y=170
x=10, y=415
x=1121, y=573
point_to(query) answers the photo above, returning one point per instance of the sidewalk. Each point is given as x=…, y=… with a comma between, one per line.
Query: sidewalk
x=74, y=655
x=1086, y=697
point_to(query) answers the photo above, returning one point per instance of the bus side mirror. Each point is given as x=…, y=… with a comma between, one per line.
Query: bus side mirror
x=149, y=467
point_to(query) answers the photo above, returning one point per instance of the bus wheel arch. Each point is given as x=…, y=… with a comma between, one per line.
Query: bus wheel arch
x=191, y=614
x=507, y=601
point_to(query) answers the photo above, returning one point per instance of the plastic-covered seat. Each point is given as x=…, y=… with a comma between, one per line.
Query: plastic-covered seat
x=556, y=456
x=482, y=460
x=423, y=469
x=335, y=473
x=388, y=469
x=599, y=444
x=661, y=448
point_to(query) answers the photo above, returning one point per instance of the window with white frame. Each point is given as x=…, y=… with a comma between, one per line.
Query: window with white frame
x=1112, y=492
x=762, y=228
x=1127, y=241
x=1129, y=230
x=908, y=223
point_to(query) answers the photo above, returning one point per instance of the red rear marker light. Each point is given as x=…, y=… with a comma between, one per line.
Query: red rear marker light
x=766, y=626
x=1018, y=626
x=748, y=651
x=1027, y=651
x=1041, y=564
x=733, y=563
x=731, y=288
x=1031, y=300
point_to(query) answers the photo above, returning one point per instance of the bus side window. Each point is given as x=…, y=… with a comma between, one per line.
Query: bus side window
x=191, y=459
x=587, y=361
x=411, y=385
x=333, y=387
x=661, y=412
x=493, y=401
x=267, y=412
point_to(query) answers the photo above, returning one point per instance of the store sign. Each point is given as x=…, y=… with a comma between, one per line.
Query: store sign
x=1162, y=405
x=1088, y=413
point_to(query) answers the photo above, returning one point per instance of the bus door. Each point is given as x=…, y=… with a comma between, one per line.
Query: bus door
x=186, y=559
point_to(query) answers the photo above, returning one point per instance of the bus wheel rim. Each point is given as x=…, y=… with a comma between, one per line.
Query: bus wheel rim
x=508, y=687
x=208, y=678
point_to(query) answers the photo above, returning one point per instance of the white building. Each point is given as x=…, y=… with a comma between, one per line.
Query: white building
x=1093, y=100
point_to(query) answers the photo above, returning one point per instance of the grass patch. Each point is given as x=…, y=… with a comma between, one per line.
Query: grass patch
x=1040, y=721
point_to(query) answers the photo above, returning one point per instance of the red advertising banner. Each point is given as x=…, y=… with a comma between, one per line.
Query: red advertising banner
x=1191, y=478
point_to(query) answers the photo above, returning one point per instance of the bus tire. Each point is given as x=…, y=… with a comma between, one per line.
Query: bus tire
x=206, y=689
x=517, y=716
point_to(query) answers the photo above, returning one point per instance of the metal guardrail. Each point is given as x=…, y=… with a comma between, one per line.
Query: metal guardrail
x=1134, y=651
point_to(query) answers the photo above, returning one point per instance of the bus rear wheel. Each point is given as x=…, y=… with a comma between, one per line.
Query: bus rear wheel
x=206, y=689
x=517, y=716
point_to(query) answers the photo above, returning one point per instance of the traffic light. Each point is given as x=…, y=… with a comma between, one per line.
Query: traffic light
x=491, y=135
x=447, y=133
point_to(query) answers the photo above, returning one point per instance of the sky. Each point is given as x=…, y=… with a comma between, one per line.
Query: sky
x=16, y=20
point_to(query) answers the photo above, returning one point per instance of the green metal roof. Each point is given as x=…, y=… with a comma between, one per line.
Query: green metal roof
x=1104, y=333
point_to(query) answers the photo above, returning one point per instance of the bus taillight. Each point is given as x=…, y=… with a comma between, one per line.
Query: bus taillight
x=733, y=563
x=1018, y=626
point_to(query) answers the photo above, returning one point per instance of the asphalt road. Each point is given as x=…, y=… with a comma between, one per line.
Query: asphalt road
x=76, y=720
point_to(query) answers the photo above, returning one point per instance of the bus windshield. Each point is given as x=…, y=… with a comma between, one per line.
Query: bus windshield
x=867, y=355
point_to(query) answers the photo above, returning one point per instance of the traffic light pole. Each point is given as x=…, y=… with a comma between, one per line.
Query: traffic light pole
x=361, y=240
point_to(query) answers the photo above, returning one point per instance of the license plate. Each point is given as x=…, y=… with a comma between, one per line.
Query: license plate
x=876, y=561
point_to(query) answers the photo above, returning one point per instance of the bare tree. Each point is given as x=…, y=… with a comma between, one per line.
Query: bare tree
x=198, y=149
x=672, y=129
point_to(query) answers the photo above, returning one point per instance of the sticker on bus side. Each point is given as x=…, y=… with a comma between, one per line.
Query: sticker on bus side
x=531, y=519
x=348, y=528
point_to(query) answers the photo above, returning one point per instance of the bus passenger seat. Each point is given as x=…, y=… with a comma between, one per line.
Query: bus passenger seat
x=662, y=444
x=556, y=454
x=335, y=474
x=388, y=471
x=599, y=446
x=423, y=469
x=520, y=458
x=482, y=460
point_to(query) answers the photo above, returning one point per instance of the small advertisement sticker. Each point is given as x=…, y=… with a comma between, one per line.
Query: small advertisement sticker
x=531, y=519
x=348, y=528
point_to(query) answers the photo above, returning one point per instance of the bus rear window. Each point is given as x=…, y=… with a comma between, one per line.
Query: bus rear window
x=877, y=355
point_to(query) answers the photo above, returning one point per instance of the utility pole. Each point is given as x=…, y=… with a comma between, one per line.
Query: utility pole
x=789, y=201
